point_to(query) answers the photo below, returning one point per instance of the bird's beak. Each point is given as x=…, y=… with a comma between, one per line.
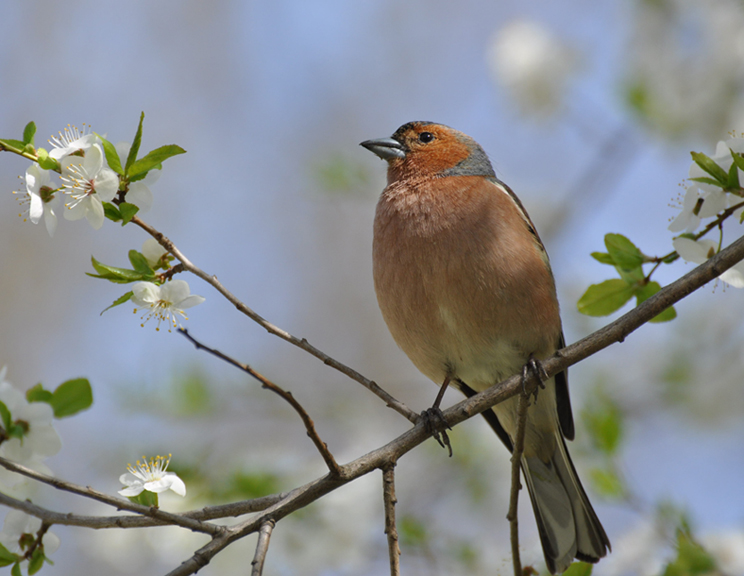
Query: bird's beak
x=386, y=148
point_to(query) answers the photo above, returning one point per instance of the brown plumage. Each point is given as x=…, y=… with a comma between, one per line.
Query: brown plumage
x=465, y=287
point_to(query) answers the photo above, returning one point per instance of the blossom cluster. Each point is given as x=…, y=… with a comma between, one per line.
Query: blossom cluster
x=86, y=181
x=714, y=188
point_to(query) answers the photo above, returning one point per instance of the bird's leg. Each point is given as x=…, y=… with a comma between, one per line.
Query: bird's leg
x=534, y=368
x=434, y=420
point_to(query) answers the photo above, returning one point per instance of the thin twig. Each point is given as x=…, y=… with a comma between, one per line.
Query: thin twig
x=268, y=384
x=516, y=460
x=275, y=330
x=118, y=503
x=264, y=534
x=389, y=499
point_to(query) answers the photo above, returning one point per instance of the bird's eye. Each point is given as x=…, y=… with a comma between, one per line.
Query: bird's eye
x=426, y=137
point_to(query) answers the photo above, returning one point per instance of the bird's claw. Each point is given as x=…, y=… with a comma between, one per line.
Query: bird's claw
x=436, y=425
x=533, y=368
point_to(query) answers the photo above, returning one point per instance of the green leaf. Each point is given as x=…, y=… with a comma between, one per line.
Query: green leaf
x=13, y=143
x=711, y=167
x=153, y=158
x=112, y=156
x=733, y=177
x=134, y=150
x=605, y=298
x=114, y=274
x=146, y=498
x=127, y=212
x=603, y=257
x=36, y=561
x=111, y=211
x=624, y=253
x=738, y=159
x=120, y=300
x=645, y=292
x=29, y=132
x=72, y=397
x=39, y=394
x=139, y=263
x=16, y=570
x=7, y=557
x=706, y=180
x=692, y=559
x=607, y=483
x=46, y=161
x=5, y=415
x=579, y=569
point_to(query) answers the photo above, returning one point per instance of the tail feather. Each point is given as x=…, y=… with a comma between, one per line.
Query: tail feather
x=567, y=524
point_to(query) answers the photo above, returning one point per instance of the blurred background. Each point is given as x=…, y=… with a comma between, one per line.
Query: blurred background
x=588, y=109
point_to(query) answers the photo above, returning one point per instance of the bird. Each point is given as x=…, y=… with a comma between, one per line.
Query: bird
x=465, y=287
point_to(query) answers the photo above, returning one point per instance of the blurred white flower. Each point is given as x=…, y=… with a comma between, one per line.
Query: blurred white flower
x=41, y=197
x=17, y=524
x=153, y=251
x=139, y=192
x=688, y=219
x=166, y=302
x=151, y=475
x=72, y=140
x=89, y=183
x=698, y=251
x=532, y=64
x=728, y=550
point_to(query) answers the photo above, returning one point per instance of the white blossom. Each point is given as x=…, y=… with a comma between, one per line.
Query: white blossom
x=151, y=475
x=166, y=302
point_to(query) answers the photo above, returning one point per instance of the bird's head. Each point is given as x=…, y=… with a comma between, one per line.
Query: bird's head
x=427, y=149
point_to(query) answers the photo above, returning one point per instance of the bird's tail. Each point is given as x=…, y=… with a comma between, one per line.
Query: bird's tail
x=568, y=526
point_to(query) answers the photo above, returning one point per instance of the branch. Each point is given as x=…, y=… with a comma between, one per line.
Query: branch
x=275, y=330
x=388, y=495
x=381, y=458
x=516, y=459
x=262, y=547
x=266, y=383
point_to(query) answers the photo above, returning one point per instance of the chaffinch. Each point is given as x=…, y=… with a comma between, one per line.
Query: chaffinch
x=465, y=287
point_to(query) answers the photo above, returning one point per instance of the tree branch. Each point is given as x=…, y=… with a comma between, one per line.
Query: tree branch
x=516, y=460
x=262, y=547
x=268, y=384
x=389, y=499
x=275, y=330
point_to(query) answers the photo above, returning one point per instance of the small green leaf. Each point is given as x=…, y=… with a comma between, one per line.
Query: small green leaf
x=607, y=483
x=134, y=150
x=632, y=276
x=112, y=156
x=706, y=180
x=5, y=415
x=738, y=159
x=605, y=298
x=127, y=212
x=692, y=559
x=39, y=394
x=120, y=300
x=624, y=253
x=46, y=161
x=29, y=132
x=645, y=292
x=7, y=557
x=16, y=570
x=579, y=569
x=139, y=263
x=12, y=143
x=153, y=159
x=114, y=274
x=36, y=561
x=72, y=397
x=604, y=419
x=603, y=257
x=146, y=498
x=111, y=211
x=711, y=167
x=733, y=177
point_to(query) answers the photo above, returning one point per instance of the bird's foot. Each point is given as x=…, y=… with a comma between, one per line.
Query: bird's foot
x=533, y=369
x=436, y=425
